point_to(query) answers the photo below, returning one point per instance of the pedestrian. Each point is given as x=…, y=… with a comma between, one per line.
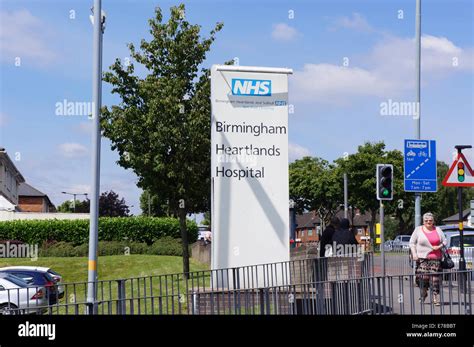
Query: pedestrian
x=425, y=246
x=343, y=238
x=326, y=236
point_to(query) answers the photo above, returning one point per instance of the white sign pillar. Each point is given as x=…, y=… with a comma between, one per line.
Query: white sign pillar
x=249, y=166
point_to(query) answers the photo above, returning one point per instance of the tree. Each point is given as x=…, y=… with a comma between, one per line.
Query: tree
x=161, y=127
x=110, y=205
x=80, y=206
x=360, y=169
x=207, y=219
x=152, y=205
x=314, y=185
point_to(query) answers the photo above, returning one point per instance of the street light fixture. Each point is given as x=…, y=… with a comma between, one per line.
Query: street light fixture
x=74, y=199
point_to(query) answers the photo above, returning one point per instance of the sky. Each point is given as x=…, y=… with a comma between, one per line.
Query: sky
x=350, y=59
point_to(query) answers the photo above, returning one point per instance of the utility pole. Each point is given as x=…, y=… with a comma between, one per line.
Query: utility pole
x=99, y=26
x=418, y=104
x=345, y=195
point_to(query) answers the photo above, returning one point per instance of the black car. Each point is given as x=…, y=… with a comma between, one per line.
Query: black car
x=37, y=278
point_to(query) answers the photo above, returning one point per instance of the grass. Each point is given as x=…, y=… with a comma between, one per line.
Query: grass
x=160, y=294
x=74, y=269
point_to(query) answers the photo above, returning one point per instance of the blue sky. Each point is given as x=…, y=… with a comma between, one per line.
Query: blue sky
x=348, y=58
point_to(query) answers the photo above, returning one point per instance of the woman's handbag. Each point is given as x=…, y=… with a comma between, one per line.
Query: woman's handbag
x=446, y=261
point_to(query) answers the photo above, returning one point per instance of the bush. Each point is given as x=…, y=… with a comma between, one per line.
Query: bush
x=163, y=246
x=132, y=229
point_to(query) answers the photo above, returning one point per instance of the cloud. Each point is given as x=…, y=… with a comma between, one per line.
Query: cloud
x=297, y=152
x=72, y=150
x=355, y=22
x=284, y=32
x=84, y=128
x=388, y=70
x=24, y=35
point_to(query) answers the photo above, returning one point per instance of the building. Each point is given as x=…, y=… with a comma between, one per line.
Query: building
x=467, y=215
x=308, y=226
x=10, y=180
x=32, y=200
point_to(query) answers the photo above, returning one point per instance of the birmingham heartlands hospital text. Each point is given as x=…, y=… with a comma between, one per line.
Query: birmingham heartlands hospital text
x=245, y=155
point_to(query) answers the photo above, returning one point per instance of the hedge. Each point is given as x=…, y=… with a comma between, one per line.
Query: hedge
x=132, y=229
x=164, y=246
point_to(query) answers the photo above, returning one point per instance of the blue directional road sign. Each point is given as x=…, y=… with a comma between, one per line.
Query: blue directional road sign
x=420, y=174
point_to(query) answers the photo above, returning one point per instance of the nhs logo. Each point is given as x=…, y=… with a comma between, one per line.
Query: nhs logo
x=242, y=86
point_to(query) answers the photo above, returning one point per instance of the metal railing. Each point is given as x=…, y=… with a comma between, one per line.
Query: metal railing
x=328, y=286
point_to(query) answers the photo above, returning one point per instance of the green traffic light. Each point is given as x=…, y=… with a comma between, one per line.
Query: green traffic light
x=461, y=178
x=385, y=192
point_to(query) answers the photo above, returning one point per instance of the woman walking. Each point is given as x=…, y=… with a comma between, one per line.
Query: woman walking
x=425, y=246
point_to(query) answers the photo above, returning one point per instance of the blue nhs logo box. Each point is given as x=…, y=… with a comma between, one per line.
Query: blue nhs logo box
x=248, y=87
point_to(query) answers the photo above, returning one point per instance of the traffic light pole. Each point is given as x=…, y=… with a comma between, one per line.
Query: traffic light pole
x=382, y=237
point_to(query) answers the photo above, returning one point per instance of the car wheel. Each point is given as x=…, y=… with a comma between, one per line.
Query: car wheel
x=8, y=309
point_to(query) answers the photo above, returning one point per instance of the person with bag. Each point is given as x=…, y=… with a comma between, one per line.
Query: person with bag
x=426, y=243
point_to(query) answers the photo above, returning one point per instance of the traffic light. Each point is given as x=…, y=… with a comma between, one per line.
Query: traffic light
x=461, y=176
x=384, y=181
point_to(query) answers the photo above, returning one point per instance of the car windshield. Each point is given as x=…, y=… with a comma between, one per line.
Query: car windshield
x=468, y=241
x=406, y=238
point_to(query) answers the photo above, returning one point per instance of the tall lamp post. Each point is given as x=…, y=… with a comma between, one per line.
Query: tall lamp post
x=98, y=21
x=292, y=224
x=74, y=199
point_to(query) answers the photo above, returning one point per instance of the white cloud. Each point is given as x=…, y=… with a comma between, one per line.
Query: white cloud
x=72, y=150
x=297, y=152
x=355, y=22
x=24, y=35
x=84, y=128
x=284, y=32
x=389, y=70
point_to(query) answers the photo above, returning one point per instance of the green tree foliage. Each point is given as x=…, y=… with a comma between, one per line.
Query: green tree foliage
x=152, y=205
x=161, y=127
x=315, y=185
x=110, y=205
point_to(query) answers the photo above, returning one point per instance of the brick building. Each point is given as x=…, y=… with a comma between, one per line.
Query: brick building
x=32, y=200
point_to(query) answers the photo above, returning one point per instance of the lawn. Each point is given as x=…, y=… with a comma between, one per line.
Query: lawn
x=74, y=269
x=149, y=288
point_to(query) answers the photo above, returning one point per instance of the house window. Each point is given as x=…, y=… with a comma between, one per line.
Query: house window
x=302, y=233
x=310, y=232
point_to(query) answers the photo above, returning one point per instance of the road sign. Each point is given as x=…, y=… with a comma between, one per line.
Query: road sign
x=460, y=173
x=420, y=173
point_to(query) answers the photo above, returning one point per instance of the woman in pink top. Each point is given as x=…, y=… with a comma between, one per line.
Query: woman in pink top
x=425, y=245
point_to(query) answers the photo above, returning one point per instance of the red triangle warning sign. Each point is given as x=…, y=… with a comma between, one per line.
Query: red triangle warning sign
x=460, y=174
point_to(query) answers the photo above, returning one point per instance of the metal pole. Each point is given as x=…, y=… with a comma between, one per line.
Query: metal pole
x=345, y=195
x=96, y=133
x=74, y=203
x=462, y=261
x=418, y=104
x=382, y=237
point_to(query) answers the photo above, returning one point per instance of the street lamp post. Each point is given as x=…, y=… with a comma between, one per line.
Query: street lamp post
x=74, y=199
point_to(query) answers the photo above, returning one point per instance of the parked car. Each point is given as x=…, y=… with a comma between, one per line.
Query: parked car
x=453, y=245
x=58, y=279
x=36, y=278
x=388, y=245
x=401, y=243
x=16, y=296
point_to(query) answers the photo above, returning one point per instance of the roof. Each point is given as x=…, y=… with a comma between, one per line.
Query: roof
x=455, y=217
x=26, y=190
x=306, y=220
x=310, y=219
x=6, y=158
